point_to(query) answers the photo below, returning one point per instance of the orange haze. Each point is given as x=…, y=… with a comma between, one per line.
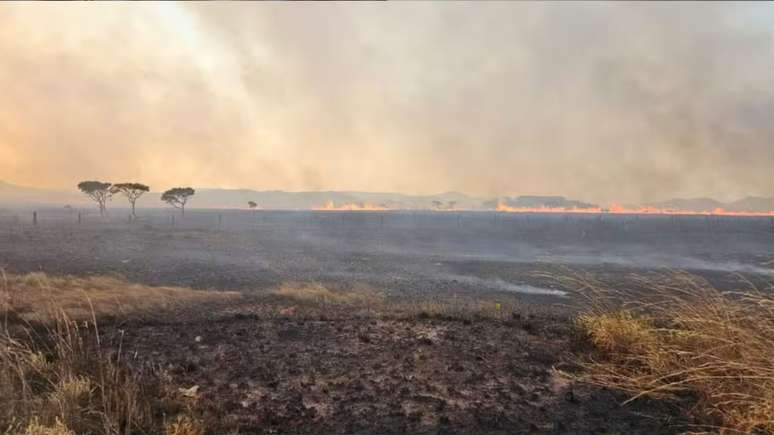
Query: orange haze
x=619, y=209
x=350, y=206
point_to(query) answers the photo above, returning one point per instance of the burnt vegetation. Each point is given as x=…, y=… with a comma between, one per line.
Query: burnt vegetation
x=304, y=326
x=106, y=356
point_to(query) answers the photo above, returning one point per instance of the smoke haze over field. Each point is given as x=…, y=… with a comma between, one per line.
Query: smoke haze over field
x=600, y=101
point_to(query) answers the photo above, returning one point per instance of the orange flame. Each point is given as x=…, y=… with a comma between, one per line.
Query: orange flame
x=350, y=206
x=619, y=209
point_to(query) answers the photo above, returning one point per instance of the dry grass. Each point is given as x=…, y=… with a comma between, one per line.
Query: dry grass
x=184, y=425
x=683, y=339
x=316, y=293
x=57, y=377
x=39, y=297
x=362, y=300
x=60, y=380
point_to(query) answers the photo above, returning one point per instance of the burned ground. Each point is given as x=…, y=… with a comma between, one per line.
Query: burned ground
x=325, y=370
x=402, y=253
x=417, y=324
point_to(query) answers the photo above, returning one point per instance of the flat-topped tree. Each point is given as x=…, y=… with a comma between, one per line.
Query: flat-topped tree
x=132, y=192
x=98, y=191
x=177, y=197
x=252, y=204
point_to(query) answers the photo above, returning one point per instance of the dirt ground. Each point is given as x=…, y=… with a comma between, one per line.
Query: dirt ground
x=279, y=365
x=407, y=363
x=399, y=252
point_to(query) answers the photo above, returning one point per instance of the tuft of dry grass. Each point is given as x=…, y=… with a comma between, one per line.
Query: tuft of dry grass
x=35, y=428
x=39, y=297
x=362, y=300
x=619, y=332
x=318, y=294
x=60, y=380
x=184, y=425
x=56, y=375
x=677, y=337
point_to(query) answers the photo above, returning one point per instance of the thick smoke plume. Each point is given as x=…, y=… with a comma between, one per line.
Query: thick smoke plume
x=601, y=102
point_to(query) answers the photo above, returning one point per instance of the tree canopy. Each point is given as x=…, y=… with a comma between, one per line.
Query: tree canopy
x=131, y=188
x=99, y=191
x=132, y=192
x=90, y=187
x=178, y=196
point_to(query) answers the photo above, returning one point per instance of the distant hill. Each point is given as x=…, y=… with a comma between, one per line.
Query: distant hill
x=226, y=198
x=694, y=204
x=752, y=203
x=534, y=201
x=13, y=195
x=21, y=196
x=749, y=204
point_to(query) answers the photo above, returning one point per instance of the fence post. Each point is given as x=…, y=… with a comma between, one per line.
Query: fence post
x=79, y=217
x=34, y=218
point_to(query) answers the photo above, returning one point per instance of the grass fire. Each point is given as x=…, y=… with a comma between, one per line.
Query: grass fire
x=473, y=218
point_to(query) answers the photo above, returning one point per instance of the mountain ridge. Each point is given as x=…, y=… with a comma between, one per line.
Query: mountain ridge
x=15, y=195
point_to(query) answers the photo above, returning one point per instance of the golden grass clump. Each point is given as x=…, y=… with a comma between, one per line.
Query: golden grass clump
x=62, y=381
x=35, y=428
x=184, y=425
x=619, y=332
x=677, y=337
x=316, y=293
x=39, y=297
x=56, y=375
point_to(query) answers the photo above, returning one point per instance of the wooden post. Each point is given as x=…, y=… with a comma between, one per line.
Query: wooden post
x=220, y=220
x=34, y=218
x=79, y=218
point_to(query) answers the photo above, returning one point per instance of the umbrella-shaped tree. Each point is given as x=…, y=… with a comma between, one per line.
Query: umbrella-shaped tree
x=98, y=191
x=132, y=192
x=178, y=197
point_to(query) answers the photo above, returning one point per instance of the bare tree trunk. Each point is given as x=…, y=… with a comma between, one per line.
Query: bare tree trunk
x=134, y=215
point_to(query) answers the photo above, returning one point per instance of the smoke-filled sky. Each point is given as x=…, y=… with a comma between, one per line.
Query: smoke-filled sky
x=597, y=101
